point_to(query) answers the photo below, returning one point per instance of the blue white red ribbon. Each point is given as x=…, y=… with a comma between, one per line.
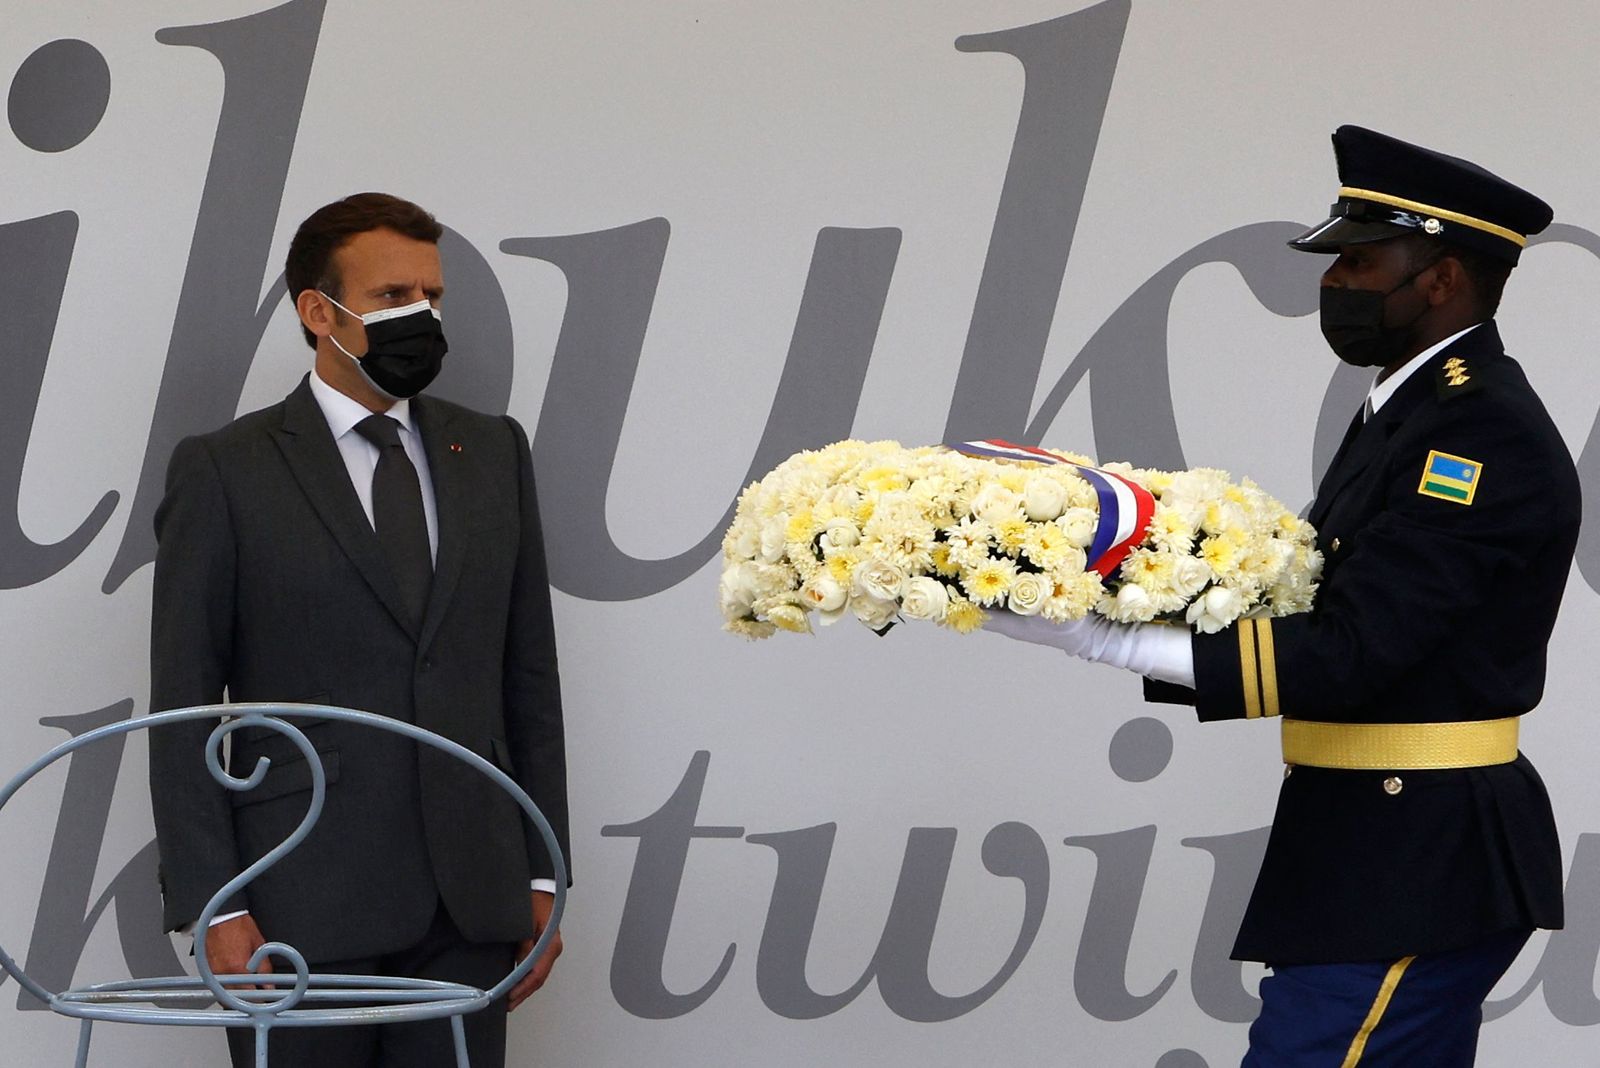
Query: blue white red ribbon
x=1125, y=506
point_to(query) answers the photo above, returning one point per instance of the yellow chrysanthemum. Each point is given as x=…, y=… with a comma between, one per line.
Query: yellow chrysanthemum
x=1012, y=534
x=942, y=564
x=1151, y=570
x=791, y=618
x=842, y=566
x=1046, y=545
x=990, y=581
x=802, y=527
x=883, y=479
x=1221, y=554
x=962, y=616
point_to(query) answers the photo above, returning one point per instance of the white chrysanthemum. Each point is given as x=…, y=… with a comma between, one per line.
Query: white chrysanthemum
x=969, y=542
x=1170, y=530
x=1075, y=595
x=751, y=629
x=902, y=537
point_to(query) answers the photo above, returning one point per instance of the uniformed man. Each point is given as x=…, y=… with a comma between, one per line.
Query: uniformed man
x=1413, y=850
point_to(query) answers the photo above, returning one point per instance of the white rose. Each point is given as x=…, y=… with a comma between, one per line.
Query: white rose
x=925, y=598
x=839, y=534
x=1132, y=604
x=1043, y=498
x=874, y=612
x=1029, y=593
x=825, y=595
x=748, y=542
x=1189, y=576
x=773, y=537
x=1078, y=524
x=790, y=617
x=1217, y=609
x=994, y=504
x=880, y=579
x=737, y=590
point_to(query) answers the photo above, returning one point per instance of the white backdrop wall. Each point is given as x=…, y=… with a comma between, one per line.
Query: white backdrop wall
x=688, y=238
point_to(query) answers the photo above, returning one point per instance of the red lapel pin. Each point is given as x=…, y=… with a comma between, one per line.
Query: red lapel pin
x=455, y=446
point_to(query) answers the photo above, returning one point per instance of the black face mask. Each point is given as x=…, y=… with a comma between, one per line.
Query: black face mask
x=405, y=348
x=1352, y=323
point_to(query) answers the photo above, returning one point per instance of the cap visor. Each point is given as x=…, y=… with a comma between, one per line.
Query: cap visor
x=1328, y=235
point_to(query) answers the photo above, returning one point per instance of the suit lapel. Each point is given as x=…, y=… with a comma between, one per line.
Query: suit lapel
x=313, y=457
x=1357, y=453
x=451, y=496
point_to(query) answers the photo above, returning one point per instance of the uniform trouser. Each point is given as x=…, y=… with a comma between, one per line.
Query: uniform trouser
x=1419, y=1012
x=442, y=954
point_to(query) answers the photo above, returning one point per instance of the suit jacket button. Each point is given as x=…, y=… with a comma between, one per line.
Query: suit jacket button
x=427, y=665
x=1335, y=546
x=1393, y=785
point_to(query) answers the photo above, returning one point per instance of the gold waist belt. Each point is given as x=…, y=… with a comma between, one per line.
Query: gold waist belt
x=1398, y=746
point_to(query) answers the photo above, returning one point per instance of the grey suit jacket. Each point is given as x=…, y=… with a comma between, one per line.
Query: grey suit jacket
x=270, y=586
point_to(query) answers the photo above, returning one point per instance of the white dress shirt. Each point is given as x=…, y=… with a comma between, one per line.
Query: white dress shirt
x=361, y=456
x=1382, y=391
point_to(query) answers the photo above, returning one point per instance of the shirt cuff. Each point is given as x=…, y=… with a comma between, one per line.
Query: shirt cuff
x=544, y=886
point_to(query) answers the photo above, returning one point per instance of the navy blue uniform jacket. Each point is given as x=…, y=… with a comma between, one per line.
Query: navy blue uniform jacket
x=1430, y=610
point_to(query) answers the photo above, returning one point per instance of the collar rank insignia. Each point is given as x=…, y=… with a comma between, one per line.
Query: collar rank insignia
x=1455, y=378
x=1450, y=478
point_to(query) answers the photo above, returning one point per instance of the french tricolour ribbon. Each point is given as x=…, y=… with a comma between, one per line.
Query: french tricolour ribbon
x=1125, y=506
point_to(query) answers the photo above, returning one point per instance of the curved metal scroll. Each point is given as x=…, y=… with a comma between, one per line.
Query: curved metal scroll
x=388, y=999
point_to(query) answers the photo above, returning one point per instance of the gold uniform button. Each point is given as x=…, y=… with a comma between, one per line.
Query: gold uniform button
x=1335, y=545
x=1288, y=770
x=1393, y=785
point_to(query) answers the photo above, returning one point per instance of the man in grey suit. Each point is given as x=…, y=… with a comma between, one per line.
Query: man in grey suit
x=359, y=545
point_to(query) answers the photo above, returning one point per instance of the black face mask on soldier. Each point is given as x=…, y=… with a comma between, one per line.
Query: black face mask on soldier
x=405, y=348
x=1352, y=323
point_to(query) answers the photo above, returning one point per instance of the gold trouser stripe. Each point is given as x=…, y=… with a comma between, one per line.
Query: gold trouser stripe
x=1358, y=1045
x=1248, y=674
x=1398, y=746
x=1428, y=209
x=1269, y=668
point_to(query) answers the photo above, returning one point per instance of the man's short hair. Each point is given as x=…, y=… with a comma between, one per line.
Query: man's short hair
x=310, y=264
x=1487, y=273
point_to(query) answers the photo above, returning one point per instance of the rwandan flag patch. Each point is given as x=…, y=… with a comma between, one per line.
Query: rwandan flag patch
x=1450, y=478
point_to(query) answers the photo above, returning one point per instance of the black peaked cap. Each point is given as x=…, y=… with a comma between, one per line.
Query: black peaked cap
x=1389, y=187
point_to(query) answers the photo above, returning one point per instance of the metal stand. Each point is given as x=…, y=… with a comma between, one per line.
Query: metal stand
x=211, y=1000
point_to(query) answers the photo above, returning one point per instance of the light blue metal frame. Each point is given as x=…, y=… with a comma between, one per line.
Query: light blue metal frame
x=209, y=1001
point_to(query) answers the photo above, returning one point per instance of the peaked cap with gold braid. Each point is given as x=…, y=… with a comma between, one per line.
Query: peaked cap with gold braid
x=1388, y=188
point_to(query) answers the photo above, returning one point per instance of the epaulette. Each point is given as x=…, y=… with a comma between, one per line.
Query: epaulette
x=1456, y=378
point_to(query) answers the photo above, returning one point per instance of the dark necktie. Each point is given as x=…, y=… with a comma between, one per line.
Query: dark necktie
x=397, y=513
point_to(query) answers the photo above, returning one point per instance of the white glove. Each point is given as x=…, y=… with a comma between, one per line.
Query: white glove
x=1156, y=651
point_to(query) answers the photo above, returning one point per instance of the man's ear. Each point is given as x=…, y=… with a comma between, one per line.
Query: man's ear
x=1450, y=282
x=313, y=311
